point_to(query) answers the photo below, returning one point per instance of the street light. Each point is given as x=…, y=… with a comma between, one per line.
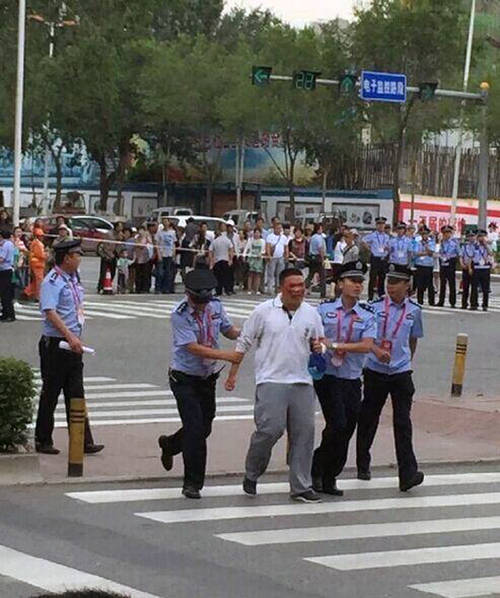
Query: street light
x=458, y=155
x=52, y=29
x=16, y=200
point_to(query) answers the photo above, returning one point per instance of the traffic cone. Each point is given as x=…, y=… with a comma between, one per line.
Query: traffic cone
x=107, y=287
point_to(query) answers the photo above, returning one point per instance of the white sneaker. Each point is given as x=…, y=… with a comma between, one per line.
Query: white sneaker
x=259, y=293
x=249, y=293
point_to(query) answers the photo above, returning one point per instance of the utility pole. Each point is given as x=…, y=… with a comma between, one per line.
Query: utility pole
x=484, y=157
x=16, y=200
x=458, y=150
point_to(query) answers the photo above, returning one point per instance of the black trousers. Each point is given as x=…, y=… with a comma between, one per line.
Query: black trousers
x=447, y=275
x=466, y=287
x=316, y=265
x=378, y=268
x=425, y=282
x=7, y=294
x=61, y=370
x=195, y=398
x=340, y=401
x=224, y=276
x=480, y=279
x=377, y=387
x=142, y=277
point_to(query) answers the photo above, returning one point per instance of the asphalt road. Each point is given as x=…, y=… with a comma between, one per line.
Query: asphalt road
x=132, y=337
x=441, y=539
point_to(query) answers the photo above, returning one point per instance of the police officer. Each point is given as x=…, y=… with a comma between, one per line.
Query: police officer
x=466, y=259
x=482, y=262
x=350, y=330
x=61, y=304
x=425, y=249
x=378, y=243
x=388, y=371
x=449, y=252
x=400, y=247
x=197, y=322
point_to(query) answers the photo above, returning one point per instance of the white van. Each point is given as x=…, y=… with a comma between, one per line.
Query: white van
x=168, y=211
x=211, y=222
x=240, y=216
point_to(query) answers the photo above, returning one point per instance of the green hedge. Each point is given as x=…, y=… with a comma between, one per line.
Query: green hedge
x=17, y=390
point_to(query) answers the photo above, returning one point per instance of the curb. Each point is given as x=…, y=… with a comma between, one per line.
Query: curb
x=20, y=469
x=233, y=474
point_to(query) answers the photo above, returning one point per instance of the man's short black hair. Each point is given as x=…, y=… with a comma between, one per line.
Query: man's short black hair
x=289, y=272
x=5, y=233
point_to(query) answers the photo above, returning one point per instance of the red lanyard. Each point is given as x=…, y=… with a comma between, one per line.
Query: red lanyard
x=73, y=288
x=339, y=326
x=209, y=334
x=386, y=319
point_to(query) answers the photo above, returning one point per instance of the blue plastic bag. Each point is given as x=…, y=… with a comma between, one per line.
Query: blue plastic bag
x=316, y=366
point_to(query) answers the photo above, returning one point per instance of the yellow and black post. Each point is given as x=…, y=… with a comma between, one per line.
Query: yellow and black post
x=459, y=367
x=76, y=438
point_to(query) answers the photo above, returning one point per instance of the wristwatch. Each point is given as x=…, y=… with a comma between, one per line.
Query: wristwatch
x=332, y=346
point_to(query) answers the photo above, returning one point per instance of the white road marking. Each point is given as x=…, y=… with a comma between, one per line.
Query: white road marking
x=90, y=379
x=350, y=506
x=54, y=577
x=414, y=556
x=128, y=394
x=107, y=315
x=109, y=496
x=112, y=386
x=138, y=412
x=461, y=588
x=27, y=318
x=155, y=403
x=153, y=420
x=366, y=530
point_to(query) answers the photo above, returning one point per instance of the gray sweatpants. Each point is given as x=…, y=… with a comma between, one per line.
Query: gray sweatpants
x=279, y=407
x=273, y=270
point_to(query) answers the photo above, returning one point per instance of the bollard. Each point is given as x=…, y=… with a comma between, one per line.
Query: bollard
x=76, y=437
x=459, y=366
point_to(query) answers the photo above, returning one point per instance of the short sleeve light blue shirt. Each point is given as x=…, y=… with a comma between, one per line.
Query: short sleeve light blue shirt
x=411, y=327
x=63, y=293
x=166, y=242
x=425, y=260
x=7, y=255
x=337, y=323
x=378, y=243
x=317, y=244
x=448, y=250
x=468, y=251
x=400, y=249
x=190, y=326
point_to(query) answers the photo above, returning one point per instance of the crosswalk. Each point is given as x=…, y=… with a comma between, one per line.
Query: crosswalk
x=112, y=403
x=415, y=540
x=239, y=308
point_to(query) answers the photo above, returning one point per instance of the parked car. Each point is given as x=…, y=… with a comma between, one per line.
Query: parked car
x=240, y=216
x=168, y=211
x=212, y=223
x=92, y=229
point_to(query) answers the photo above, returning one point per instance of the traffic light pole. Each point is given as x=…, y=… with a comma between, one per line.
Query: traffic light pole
x=484, y=143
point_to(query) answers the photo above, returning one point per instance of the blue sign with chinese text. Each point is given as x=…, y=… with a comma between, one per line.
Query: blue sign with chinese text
x=383, y=87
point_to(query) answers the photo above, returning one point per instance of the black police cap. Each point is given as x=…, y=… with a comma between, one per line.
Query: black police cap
x=200, y=279
x=380, y=219
x=398, y=271
x=70, y=246
x=401, y=226
x=481, y=232
x=353, y=270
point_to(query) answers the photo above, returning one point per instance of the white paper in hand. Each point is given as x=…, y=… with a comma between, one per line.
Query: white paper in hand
x=65, y=345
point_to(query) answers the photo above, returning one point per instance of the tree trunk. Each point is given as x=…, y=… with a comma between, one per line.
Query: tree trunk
x=104, y=183
x=395, y=179
x=59, y=185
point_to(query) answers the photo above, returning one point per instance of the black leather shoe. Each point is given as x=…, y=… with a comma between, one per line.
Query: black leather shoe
x=330, y=487
x=46, y=449
x=92, y=449
x=249, y=487
x=167, y=459
x=190, y=492
x=317, y=484
x=416, y=480
x=364, y=475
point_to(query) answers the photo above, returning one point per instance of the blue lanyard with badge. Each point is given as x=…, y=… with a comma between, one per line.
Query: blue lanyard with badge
x=77, y=299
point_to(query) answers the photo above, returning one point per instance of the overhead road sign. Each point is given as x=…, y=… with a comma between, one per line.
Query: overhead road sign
x=383, y=87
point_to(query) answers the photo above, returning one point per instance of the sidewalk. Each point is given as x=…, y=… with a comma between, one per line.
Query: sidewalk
x=445, y=430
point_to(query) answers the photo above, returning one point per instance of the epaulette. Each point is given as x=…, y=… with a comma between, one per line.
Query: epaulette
x=377, y=300
x=366, y=306
x=181, y=307
x=327, y=301
x=215, y=299
x=414, y=303
x=53, y=277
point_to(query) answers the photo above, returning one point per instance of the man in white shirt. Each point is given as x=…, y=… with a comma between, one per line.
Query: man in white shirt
x=285, y=329
x=165, y=241
x=493, y=236
x=277, y=255
x=221, y=255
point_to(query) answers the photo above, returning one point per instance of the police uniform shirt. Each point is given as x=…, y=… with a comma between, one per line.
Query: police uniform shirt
x=317, y=244
x=449, y=249
x=7, y=255
x=425, y=260
x=411, y=327
x=468, y=252
x=359, y=322
x=400, y=250
x=481, y=257
x=63, y=293
x=378, y=243
x=203, y=327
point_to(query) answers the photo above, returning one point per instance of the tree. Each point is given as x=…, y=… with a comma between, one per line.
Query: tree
x=396, y=36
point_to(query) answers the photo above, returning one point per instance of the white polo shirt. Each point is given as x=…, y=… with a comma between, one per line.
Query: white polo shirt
x=278, y=244
x=283, y=344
